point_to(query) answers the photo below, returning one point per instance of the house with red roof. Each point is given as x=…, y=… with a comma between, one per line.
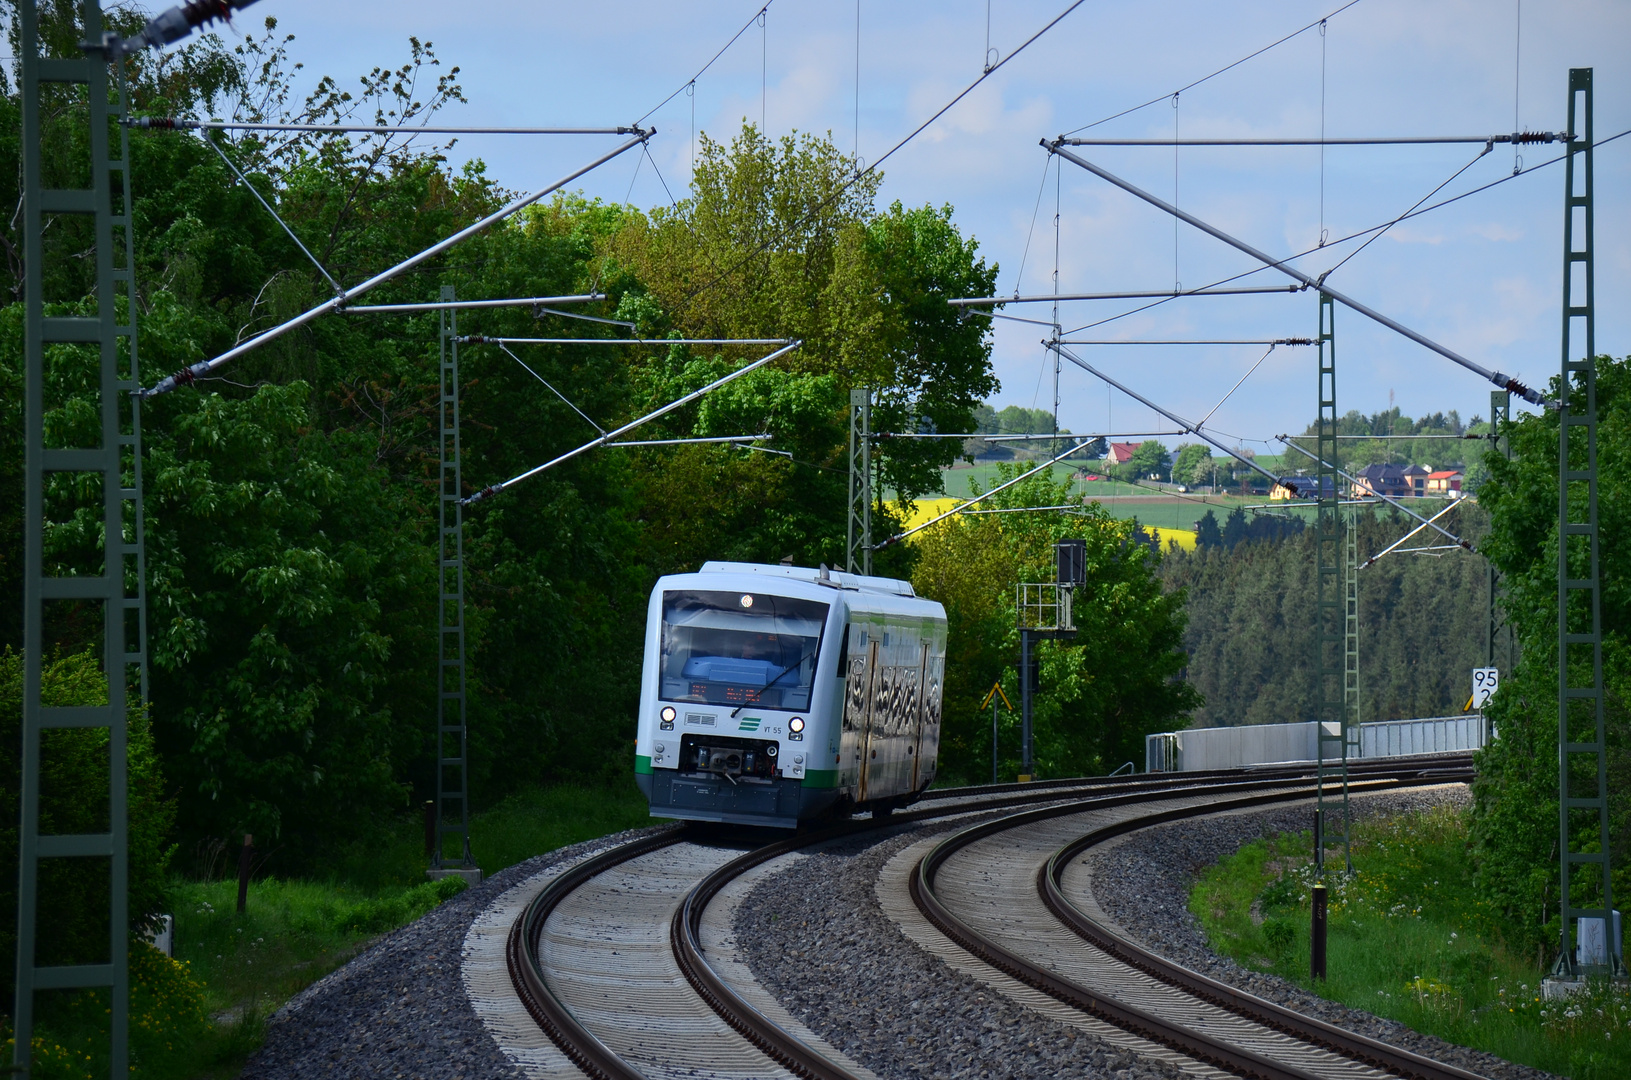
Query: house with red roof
x=1444, y=484
x=1120, y=453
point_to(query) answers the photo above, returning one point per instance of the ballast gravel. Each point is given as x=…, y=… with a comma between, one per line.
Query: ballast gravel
x=817, y=939
x=1143, y=883
x=399, y=1010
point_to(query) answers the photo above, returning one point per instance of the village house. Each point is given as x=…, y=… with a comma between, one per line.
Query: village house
x=1389, y=480
x=1296, y=487
x=1120, y=453
x=1444, y=484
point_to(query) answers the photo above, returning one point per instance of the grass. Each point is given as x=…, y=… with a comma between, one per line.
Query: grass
x=202, y=1015
x=1409, y=940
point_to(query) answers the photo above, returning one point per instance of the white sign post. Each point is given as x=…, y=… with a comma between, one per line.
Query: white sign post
x=1485, y=681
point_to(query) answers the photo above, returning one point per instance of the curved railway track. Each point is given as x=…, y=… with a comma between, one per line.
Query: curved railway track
x=609, y=959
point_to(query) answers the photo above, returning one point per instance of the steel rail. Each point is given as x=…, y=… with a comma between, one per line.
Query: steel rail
x=685, y=930
x=577, y=1042
x=1138, y=1021
x=1361, y=1048
x=590, y=1054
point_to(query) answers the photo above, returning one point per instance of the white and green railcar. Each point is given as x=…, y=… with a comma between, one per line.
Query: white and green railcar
x=776, y=694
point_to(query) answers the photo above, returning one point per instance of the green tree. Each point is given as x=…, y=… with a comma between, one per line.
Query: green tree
x=1151, y=459
x=778, y=239
x=1193, y=465
x=1103, y=691
x=1515, y=811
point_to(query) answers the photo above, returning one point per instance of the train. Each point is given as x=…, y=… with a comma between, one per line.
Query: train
x=773, y=695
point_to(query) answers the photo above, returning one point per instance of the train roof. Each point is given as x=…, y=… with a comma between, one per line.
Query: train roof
x=818, y=576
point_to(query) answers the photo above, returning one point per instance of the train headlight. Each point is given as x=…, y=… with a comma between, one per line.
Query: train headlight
x=796, y=724
x=668, y=714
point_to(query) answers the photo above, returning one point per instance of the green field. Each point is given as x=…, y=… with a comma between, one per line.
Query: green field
x=1151, y=505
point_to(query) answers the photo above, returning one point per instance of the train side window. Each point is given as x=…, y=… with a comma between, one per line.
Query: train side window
x=843, y=654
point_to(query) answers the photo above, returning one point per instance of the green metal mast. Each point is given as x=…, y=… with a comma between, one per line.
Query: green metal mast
x=452, y=741
x=1582, y=774
x=111, y=464
x=858, y=549
x=1500, y=416
x=1336, y=608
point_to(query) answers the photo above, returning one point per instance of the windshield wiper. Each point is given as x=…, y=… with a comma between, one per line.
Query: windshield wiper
x=777, y=679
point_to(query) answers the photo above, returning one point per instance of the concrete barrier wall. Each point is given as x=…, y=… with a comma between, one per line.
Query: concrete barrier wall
x=1264, y=744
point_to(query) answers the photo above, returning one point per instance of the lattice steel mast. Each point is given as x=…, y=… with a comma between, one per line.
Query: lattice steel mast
x=1336, y=607
x=858, y=535
x=1500, y=417
x=1581, y=738
x=114, y=461
x=452, y=791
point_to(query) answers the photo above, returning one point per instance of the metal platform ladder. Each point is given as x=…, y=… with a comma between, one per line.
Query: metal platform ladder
x=113, y=464
x=1336, y=612
x=858, y=539
x=1581, y=745
x=452, y=761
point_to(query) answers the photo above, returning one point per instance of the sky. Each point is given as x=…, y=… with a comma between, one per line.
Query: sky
x=1482, y=276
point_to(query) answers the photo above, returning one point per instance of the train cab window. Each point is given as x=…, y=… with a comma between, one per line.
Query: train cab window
x=740, y=649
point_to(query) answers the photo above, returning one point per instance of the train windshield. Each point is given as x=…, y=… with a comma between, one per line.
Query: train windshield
x=740, y=648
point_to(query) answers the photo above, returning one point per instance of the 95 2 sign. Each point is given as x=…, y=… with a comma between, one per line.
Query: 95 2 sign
x=1485, y=681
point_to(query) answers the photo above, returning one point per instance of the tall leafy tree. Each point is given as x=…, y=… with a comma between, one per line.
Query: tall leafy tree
x=780, y=239
x=1515, y=810
x=1103, y=691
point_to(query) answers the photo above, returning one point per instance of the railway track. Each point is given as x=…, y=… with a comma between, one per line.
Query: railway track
x=611, y=959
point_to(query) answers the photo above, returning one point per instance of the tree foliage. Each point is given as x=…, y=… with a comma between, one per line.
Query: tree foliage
x=291, y=498
x=1515, y=810
x=1101, y=692
x=1250, y=635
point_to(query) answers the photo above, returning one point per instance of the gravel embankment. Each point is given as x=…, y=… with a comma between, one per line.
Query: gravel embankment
x=816, y=938
x=1144, y=881
x=399, y=1010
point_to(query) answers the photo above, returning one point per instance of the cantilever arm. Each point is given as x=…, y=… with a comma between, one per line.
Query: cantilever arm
x=1505, y=382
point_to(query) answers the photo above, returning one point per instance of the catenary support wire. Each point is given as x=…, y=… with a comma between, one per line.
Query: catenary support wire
x=1401, y=540
x=1505, y=382
x=493, y=489
x=552, y=389
x=1403, y=509
x=1077, y=442
x=467, y=305
x=1165, y=294
x=188, y=374
x=179, y=123
x=275, y=216
x=480, y=339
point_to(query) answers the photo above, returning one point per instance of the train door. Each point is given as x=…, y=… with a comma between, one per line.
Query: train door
x=863, y=672
x=919, y=699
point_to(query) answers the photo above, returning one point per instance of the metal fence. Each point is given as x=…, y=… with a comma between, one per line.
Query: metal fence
x=1263, y=744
